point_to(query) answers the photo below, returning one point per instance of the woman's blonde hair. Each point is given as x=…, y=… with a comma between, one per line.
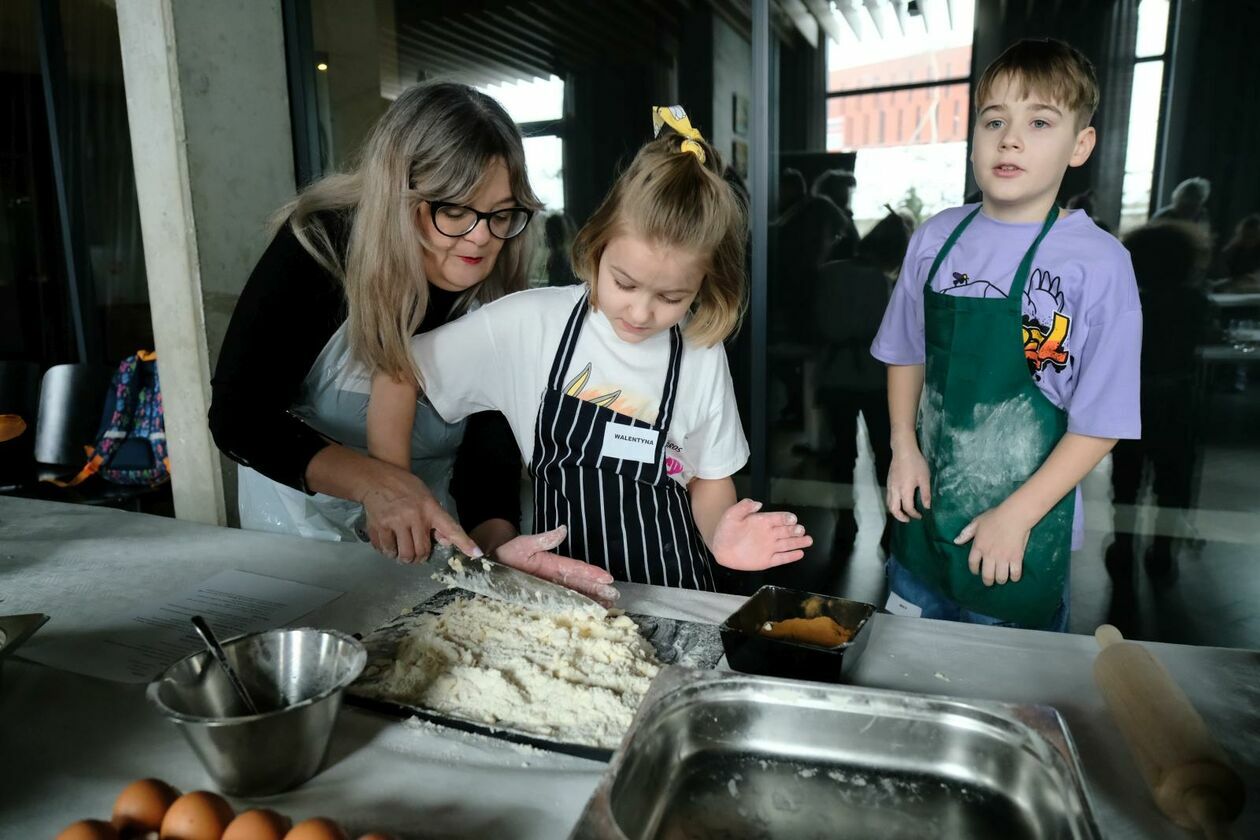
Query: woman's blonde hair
x=436, y=142
x=669, y=196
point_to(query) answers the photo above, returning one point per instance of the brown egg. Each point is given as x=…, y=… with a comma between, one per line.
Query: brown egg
x=317, y=828
x=199, y=815
x=259, y=824
x=89, y=830
x=141, y=806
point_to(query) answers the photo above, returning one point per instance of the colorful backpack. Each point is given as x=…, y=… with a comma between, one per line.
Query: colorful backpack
x=131, y=443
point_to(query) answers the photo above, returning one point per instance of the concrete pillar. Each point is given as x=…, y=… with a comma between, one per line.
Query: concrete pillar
x=207, y=102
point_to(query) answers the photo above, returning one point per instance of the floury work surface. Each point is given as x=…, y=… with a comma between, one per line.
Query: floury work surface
x=84, y=566
x=722, y=755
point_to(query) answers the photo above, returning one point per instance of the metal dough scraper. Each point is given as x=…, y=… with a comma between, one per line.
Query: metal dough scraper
x=503, y=583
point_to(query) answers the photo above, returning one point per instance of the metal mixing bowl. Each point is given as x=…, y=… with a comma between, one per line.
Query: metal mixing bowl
x=295, y=677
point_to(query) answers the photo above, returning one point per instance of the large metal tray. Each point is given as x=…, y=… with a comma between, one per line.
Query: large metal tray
x=722, y=755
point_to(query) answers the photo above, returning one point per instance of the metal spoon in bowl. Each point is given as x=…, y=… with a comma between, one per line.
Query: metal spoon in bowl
x=216, y=650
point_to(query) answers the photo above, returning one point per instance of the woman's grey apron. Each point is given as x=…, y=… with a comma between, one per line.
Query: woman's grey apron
x=333, y=401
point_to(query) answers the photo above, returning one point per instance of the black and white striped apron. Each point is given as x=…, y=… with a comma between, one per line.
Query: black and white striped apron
x=625, y=515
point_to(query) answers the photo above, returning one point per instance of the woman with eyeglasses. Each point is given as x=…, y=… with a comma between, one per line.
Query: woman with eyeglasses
x=425, y=227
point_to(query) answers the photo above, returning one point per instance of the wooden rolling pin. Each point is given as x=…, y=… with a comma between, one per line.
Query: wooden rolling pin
x=1183, y=765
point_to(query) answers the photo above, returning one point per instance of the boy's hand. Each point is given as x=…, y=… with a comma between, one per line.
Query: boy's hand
x=998, y=538
x=750, y=541
x=909, y=472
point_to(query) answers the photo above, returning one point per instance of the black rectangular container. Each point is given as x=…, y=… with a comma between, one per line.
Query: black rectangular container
x=747, y=650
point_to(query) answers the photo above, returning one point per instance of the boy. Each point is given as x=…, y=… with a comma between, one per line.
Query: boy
x=1019, y=324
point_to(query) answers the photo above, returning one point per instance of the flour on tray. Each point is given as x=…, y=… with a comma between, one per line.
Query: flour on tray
x=566, y=677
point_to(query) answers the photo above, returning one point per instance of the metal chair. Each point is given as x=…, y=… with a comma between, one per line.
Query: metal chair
x=71, y=408
x=70, y=403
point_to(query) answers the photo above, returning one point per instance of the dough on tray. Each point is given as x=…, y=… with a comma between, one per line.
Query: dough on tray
x=566, y=677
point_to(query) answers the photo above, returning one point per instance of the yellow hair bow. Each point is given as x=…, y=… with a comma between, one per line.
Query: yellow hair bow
x=676, y=118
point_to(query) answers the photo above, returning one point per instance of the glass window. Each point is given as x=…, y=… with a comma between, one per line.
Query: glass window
x=1144, y=114
x=899, y=49
x=1152, y=33
x=363, y=61
x=37, y=320
x=922, y=165
x=928, y=152
x=530, y=100
x=34, y=308
x=1139, y=161
x=97, y=152
x=545, y=158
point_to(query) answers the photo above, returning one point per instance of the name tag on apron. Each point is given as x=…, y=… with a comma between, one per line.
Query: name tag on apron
x=900, y=606
x=630, y=443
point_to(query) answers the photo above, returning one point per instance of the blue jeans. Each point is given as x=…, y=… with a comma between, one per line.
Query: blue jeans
x=910, y=589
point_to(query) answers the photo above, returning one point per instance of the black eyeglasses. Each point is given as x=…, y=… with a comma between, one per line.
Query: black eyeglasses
x=456, y=220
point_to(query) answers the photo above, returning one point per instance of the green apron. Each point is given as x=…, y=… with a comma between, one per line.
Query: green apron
x=984, y=428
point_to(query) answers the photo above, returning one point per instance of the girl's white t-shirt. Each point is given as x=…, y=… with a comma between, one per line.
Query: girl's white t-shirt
x=499, y=357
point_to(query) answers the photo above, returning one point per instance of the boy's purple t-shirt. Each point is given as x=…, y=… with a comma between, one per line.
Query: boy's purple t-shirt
x=1081, y=313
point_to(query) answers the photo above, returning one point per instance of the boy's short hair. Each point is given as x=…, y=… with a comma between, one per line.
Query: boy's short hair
x=1049, y=67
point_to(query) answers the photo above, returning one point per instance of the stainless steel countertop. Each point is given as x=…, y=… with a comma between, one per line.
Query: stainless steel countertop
x=71, y=742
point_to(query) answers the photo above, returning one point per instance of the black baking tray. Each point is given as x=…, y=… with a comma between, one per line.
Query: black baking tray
x=675, y=641
x=401, y=710
x=747, y=650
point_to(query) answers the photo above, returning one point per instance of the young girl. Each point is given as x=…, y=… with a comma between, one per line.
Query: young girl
x=618, y=390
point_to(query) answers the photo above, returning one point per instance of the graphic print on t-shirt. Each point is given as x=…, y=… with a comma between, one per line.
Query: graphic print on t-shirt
x=1046, y=326
x=622, y=403
x=578, y=383
x=673, y=461
x=966, y=287
x=609, y=395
